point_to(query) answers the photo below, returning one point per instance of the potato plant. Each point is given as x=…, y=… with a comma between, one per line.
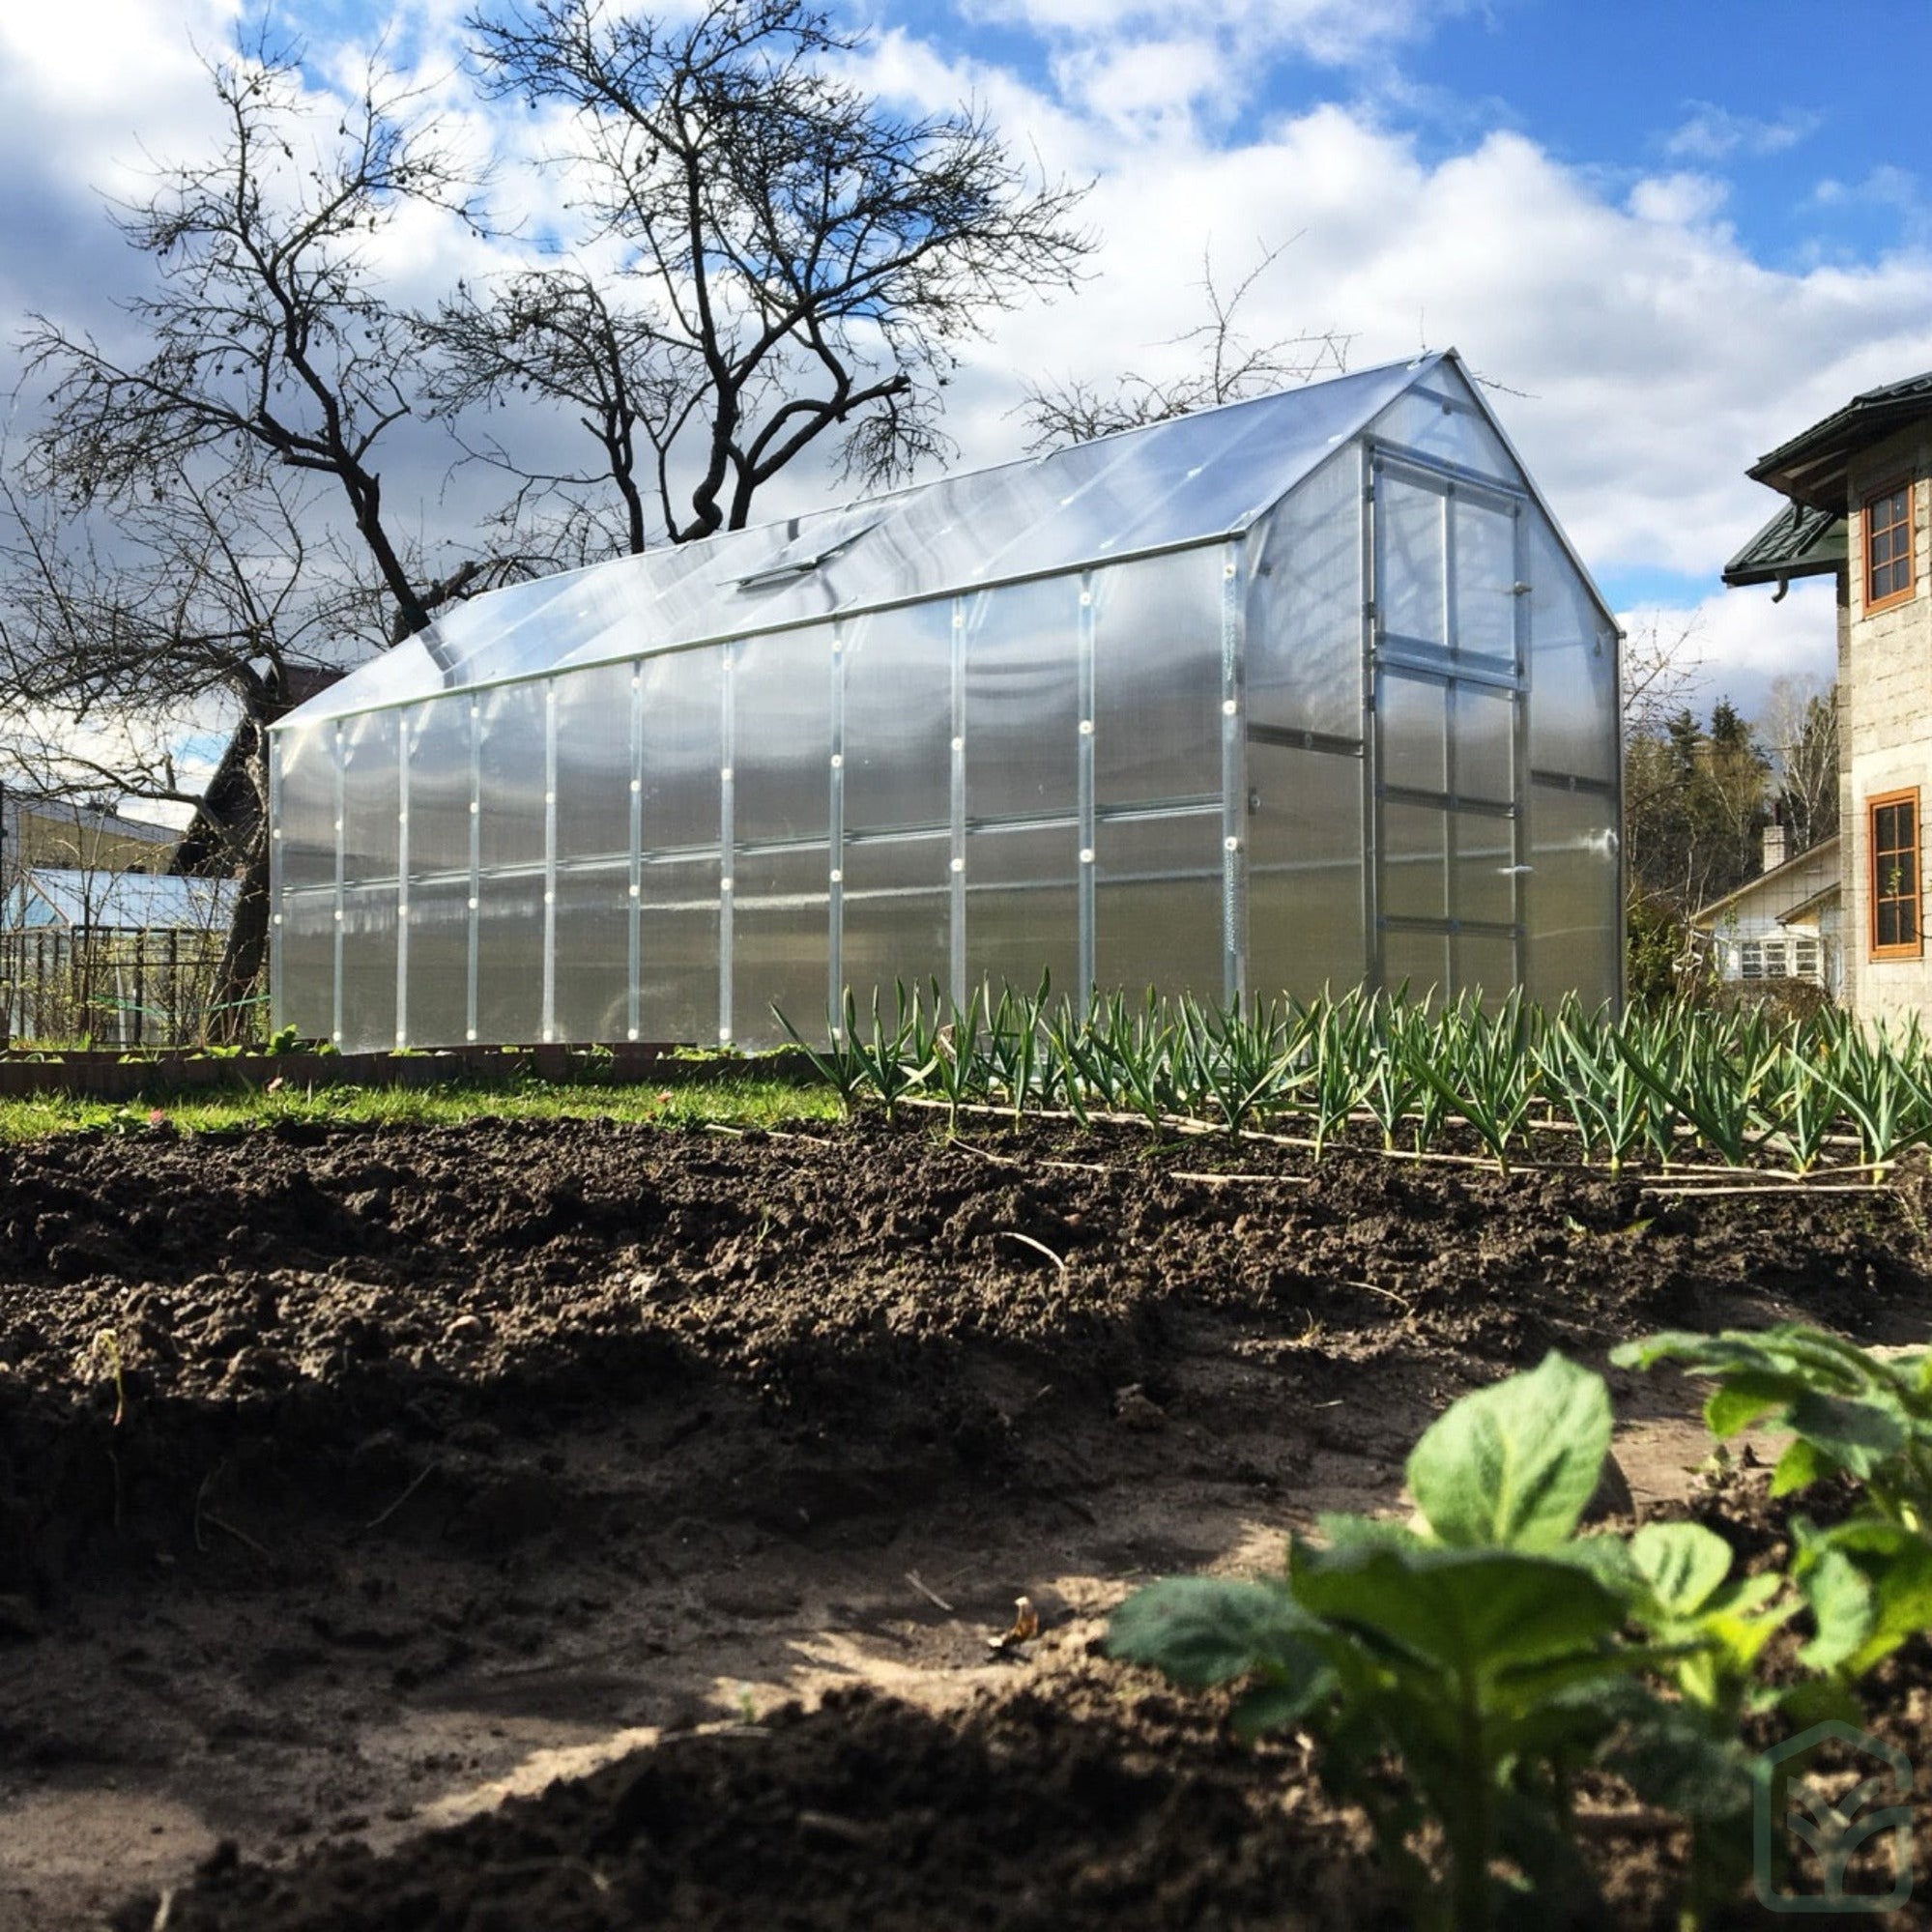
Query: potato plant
x=1490, y=1651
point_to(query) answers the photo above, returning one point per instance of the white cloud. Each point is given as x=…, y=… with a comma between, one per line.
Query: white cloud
x=1713, y=134
x=1336, y=33
x=1678, y=200
x=1737, y=644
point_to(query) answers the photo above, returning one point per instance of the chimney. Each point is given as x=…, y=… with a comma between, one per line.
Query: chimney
x=1774, y=841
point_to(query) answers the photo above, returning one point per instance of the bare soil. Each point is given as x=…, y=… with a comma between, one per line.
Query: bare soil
x=356, y=1484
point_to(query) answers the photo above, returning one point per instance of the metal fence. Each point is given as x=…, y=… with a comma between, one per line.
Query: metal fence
x=108, y=988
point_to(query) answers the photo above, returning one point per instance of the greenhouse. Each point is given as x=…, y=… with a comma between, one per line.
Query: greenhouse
x=1303, y=691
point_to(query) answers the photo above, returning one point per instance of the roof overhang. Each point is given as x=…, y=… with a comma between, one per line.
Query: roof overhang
x=1797, y=542
x=1811, y=469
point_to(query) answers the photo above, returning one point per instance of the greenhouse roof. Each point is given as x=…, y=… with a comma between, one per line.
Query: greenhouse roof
x=1164, y=486
x=122, y=901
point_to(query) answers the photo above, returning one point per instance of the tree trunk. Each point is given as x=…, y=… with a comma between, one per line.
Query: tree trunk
x=234, y=1014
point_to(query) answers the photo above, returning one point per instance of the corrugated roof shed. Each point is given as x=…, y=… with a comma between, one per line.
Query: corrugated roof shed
x=1797, y=542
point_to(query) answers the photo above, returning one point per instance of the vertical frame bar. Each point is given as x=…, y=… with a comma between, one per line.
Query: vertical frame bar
x=727, y=737
x=1521, y=877
x=1371, y=744
x=634, y=919
x=335, y=969
x=956, y=862
x=1233, y=782
x=277, y=995
x=550, y=858
x=402, y=879
x=835, y=841
x=475, y=866
x=1083, y=894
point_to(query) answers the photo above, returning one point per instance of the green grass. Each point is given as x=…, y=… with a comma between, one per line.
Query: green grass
x=729, y=1101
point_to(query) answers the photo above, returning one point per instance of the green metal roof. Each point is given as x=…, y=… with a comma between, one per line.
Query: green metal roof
x=1797, y=542
x=1811, y=467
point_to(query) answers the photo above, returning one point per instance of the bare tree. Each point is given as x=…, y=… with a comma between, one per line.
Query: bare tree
x=204, y=608
x=1227, y=366
x=782, y=263
x=1798, y=726
x=264, y=335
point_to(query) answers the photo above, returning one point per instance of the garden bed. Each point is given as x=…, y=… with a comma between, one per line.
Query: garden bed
x=449, y=1458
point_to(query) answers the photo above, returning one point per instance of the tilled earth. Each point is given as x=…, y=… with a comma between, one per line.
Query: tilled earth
x=355, y=1483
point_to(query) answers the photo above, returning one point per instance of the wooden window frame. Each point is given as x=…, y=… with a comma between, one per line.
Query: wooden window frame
x=1898, y=485
x=1914, y=949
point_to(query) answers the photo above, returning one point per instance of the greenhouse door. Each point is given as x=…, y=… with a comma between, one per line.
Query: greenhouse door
x=1447, y=772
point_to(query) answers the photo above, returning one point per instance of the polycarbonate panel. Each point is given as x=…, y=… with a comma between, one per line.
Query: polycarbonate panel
x=1303, y=872
x=1414, y=732
x=899, y=720
x=1157, y=678
x=1157, y=918
x=1023, y=908
x=1486, y=966
x=1483, y=873
x=437, y=737
x=1165, y=485
x=1571, y=897
x=509, y=959
x=307, y=939
x=1431, y=426
x=678, y=952
x=593, y=970
x=1572, y=690
x=594, y=763
x=1415, y=861
x=683, y=752
x=782, y=737
x=371, y=797
x=438, y=1011
x=1409, y=585
x=897, y=917
x=1022, y=701
x=368, y=969
x=307, y=807
x=1484, y=722
x=1304, y=635
x=781, y=936
x=510, y=779
x=1484, y=535
x=1419, y=959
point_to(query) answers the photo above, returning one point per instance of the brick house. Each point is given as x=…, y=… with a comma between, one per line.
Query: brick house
x=1856, y=488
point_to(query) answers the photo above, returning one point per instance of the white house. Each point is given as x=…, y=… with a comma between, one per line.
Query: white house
x=1783, y=924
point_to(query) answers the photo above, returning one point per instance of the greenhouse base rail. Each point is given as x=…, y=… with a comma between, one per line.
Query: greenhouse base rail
x=106, y=1073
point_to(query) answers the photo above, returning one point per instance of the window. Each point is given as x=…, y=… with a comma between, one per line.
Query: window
x=1892, y=835
x=1888, y=546
x=1810, y=960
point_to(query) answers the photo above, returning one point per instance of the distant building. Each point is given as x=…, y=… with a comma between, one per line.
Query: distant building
x=1784, y=924
x=1856, y=486
x=76, y=837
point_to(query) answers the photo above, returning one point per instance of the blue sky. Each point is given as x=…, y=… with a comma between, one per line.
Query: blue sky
x=1671, y=234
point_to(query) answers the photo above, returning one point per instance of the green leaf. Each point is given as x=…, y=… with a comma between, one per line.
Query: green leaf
x=1897, y=1567
x=1515, y=1465
x=1273, y=1707
x=1682, y=1564
x=1842, y=1608
x=1798, y=1468
x=1206, y=1629
x=1467, y=1612
x=1669, y=1756
x=1858, y=1435
x=1746, y=1394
